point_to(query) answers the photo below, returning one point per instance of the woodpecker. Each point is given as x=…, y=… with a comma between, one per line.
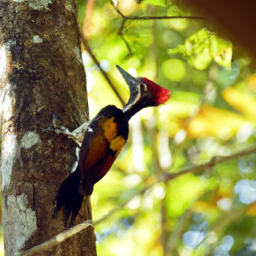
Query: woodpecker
x=103, y=141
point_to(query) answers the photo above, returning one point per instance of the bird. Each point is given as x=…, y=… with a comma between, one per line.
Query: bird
x=103, y=141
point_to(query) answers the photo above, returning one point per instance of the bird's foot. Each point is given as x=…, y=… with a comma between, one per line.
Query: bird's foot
x=65, y=131
x=77, y=135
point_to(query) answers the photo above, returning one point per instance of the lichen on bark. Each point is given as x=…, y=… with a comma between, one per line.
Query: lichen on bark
x=15, y=209
x=41, y=74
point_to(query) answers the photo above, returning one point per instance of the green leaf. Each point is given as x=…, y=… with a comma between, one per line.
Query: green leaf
x=203, y=47
x=156, y=2
x=222, y=51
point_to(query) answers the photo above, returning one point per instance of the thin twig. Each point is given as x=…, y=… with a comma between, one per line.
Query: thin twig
x=118, y=11
x=128, y=46
x=58, y=239
x=215, y=160
x=165, y=177
x=224, y=220
x=120, y=33
x=162, y=17
x=162, y=178
x=154, y=17
x=101, y=70
x=125, y=18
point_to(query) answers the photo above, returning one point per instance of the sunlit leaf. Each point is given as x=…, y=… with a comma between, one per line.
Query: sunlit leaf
x=221, y=51
x=244, y=103
x=215, y=122
x=203, y=46
x=252, y=83
x=156, y=2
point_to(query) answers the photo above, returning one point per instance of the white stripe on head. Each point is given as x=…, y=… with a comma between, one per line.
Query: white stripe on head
x=128, y=106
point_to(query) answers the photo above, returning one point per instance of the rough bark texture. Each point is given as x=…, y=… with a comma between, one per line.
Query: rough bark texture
x=41, y=74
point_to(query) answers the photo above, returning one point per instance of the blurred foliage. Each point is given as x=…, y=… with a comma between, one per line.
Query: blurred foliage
x=211, y=112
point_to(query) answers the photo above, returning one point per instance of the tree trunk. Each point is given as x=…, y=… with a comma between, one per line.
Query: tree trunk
x=41, y=77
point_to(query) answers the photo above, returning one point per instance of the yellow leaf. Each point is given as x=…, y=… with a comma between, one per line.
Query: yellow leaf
x=243, y=103
x=215, y=122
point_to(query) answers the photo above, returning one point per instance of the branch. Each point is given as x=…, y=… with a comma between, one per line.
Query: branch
x=154, y=17
x=165, y=177
x=128, y=47
x=120, y=33
x=162, y=178
x=101, y=70
x=224, y=220
x=125, y=18
x=58, y=239
x=215, y=160
x=162, y=17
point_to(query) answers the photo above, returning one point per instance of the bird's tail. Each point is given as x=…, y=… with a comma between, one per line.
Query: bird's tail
x=69, y=198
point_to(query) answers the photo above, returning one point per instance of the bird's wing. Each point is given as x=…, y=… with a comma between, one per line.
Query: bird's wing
x=99, y=150
x=97, y=142
x=115, y=147
x=95, y=150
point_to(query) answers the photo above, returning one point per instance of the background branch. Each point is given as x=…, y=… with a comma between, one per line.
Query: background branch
x=85, y=43
x=165, y=177
x=58, y=239
x=154, y=17
x=162, y=178
x=125, y=18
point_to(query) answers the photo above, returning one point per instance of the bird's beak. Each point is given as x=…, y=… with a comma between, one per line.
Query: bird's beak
x=131, y=81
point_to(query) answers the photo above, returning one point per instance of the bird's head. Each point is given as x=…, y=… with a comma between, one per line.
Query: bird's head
x=143, y=93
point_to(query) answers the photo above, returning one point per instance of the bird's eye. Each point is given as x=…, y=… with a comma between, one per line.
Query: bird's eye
x=143, y=88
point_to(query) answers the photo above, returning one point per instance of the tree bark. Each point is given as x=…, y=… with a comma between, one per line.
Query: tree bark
x=41, y=77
